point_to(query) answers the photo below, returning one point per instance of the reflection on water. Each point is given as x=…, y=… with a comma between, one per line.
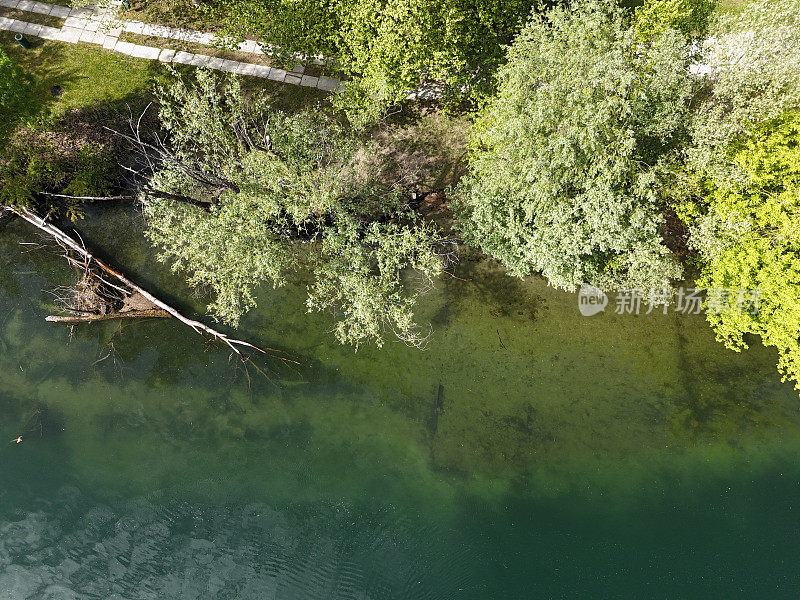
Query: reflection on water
x=530, y=452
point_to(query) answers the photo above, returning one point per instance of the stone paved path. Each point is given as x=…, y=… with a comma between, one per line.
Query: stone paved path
x=102, y=27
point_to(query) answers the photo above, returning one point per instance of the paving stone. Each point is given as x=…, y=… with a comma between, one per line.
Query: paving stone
x=75, y=23
x=204, y=38
x=193, y=36
x=200, y=60
x=214, y=62
x=87, y=36
x=277, y=74
x=327, y=84
x=293, y=79
x=70, y=36
x=99, y=38
x=161, y=31
x=248, y=46
x=124, y=47
x=134, y=27
x=184, y=58
x=80, y=13
x=48, y=33
x=145, y=52
x=157, y=30
x=32, y=29
x=263, y=71
x=309, y=81
x=227, y=65
x=244, y=68
x=40, y=8
x=110, y=25
x=62, y=12
x=179, y=34
x=95, y=26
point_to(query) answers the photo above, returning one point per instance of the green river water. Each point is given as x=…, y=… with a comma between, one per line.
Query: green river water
x=528, y=453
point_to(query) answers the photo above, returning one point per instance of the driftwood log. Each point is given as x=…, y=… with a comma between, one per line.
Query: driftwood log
x=139, y=314
x=162, y=308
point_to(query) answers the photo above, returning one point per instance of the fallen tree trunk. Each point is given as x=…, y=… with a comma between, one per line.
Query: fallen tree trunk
x=139, y=314
x=69, y=242
x=87, y=198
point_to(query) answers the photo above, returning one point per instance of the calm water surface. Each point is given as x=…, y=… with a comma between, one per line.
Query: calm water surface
x=528, y=453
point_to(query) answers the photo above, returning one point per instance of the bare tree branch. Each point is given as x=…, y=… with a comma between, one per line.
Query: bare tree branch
x=65, y=239
x=88, y=198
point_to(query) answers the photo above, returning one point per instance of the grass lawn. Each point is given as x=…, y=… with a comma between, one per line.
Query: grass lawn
x=92, y=78
x=88, y=75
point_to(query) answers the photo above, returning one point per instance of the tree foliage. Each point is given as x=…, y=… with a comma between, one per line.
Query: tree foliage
x=752, y=74
x=566, y=159
x=270, y=193
x=742, y=172
x=690, y=17
x=748, y=236
x=386, y=48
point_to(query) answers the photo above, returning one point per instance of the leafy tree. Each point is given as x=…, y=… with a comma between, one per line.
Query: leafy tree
x=748, y=237
x=15, y=91
x=690, y=17
x=752, y=75
x=566, y=160
x=386, y=48
x=243, y=195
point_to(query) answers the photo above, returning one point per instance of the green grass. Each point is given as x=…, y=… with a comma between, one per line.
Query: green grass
x=88, y=75
x=93, y=78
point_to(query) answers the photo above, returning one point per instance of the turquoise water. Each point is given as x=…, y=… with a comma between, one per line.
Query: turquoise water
x=530, y=452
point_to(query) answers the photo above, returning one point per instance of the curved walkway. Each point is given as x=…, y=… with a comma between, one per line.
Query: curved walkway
x=101, y=26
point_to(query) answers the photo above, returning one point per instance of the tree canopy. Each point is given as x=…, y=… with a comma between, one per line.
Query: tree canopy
x=752, y=75
x=386, y=48
x=690, y=17
x=244, y=194
x=742, y=177
x=566, y=158
x=748, y=237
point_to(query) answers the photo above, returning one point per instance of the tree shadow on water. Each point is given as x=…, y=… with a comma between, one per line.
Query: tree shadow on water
x=502, y=295
x=722, y=403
